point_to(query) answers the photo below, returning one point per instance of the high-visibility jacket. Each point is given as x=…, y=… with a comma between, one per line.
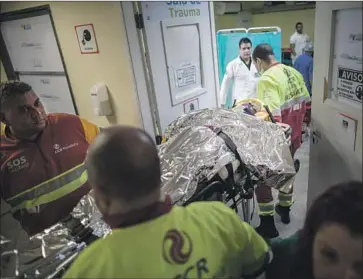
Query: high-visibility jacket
x=244, y=81
x=283, y=90
x=43, y=180
x=201, y=240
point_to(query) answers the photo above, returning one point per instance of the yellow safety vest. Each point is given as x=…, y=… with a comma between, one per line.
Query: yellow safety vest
x=281, y=87
x=202, y=240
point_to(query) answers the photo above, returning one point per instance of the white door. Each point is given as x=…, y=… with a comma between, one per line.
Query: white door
x=336, y=146
x=181, y=59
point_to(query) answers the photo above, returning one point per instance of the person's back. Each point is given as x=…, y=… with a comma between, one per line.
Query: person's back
x=303, y=64
x=281, y=88
x=202, y=240
x=290, y=102
x=151, y=238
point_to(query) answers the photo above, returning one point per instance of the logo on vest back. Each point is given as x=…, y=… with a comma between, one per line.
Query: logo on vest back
x=177, y=247
x=17, y=164
x=58, y=148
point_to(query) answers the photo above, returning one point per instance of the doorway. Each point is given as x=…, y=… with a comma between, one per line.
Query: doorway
x=173, y=52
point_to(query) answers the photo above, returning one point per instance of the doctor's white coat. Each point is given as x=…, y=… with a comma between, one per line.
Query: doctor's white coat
x=245, y=80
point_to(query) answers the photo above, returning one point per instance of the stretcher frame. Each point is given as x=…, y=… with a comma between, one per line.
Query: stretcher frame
x=232, y=191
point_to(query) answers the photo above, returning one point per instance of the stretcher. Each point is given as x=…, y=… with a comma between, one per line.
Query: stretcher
x=234, y=184
x=231, y=191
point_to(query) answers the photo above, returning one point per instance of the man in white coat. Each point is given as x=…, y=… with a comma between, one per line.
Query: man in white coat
x=298, y=41
x=243, y=73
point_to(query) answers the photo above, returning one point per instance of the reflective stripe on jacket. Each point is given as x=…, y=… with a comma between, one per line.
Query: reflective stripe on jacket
x=44, y=179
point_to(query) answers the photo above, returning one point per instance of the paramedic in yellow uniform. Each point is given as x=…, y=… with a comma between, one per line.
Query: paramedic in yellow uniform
x=151, y=238
x=283, y=90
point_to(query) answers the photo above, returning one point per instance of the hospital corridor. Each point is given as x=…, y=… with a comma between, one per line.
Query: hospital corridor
x=181, y=139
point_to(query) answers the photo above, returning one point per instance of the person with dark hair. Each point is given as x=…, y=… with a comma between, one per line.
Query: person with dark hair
x=242, y=73
x=43, y=176
x=283, y=90
x=330, y=245
x=151, y=238
x=298, y=41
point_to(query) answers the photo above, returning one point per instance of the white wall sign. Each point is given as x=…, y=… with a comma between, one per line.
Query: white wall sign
x=32, y=45
x=191, y=105
x=186, y=76
x=86, y=38
x=349, y=84
x=347, y=75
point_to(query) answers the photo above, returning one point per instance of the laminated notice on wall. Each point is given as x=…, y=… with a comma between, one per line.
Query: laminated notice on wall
x=186, y=76
x=349, y=84
x=347, y=78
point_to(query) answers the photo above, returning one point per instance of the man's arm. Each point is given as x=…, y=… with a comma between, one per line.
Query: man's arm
x=256, y=255
x=267, y=92
x=292, y=44
x=254, y=252
x=226, y=85
x=249, y=253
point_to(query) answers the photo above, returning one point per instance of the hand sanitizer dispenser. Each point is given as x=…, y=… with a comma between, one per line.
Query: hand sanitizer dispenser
x=100, y=100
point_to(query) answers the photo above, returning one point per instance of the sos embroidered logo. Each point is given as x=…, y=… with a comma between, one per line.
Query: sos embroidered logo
x=17, y=164
x=177, y=247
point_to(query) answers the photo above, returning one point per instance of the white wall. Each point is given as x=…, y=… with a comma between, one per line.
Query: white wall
x=331, y=161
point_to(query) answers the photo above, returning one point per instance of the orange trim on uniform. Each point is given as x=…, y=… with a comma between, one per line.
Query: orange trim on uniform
x=90, y=130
